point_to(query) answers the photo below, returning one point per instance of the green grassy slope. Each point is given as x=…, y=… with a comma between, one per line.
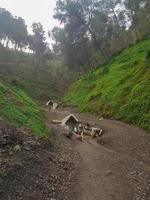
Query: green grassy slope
x=22, y=84
x=120, y=89
x=37, y=81
x=41, y=81
x=20, y=110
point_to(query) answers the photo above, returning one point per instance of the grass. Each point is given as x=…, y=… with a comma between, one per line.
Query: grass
x=40, y=80
x=120, y=89
x=36, y=81
x=20, y=110
x=21, y=82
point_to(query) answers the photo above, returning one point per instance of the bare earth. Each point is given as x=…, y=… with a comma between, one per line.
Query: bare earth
x=115, y=166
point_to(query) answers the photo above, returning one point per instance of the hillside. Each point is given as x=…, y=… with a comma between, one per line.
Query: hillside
x=24, y=83
x=40, y=82
x=20, y=110
x=120, y=89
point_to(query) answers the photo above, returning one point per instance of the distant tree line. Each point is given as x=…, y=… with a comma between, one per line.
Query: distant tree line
x=92, y=31
x=14, y=34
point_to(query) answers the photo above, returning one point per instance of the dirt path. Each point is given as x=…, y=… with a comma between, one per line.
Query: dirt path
x=114, y=167
x=39, y=169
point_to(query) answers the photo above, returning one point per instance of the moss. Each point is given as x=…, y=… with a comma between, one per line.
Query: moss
x=122, y=91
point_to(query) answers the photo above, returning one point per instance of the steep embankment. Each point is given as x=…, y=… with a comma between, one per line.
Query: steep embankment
x=20, y=110
x=16, y=104
x=120, y=89
x=22, y=83
x=38, y=81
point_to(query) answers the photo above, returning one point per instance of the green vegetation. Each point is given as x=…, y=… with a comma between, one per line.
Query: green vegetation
x=23, y=83
x=41, y=82
x=14, y=34
x=95, y=30
x=20, y=110
x=11, y=55
x=120, y=89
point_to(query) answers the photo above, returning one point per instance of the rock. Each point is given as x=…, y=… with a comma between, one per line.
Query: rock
x=17, y=148
x=61, y=160
x=101, y=118
x=53, y=189
x=141, y=163
x=108, y=173
x=10, y=153
x=27, y=148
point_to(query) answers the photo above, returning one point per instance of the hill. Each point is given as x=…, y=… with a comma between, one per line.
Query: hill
x=41, y=81
x=22, y=84
x=120, y=89
x=20, y=110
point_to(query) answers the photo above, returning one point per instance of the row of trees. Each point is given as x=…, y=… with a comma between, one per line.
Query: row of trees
x=92, y=31
x=14, y=34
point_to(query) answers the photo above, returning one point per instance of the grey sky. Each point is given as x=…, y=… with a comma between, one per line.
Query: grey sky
x=32, y=11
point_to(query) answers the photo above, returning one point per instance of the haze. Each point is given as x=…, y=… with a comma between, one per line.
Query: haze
x=32, y=11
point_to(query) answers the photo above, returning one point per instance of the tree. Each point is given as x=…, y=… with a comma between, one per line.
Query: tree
x=136, y=12
x=18, y=33
x=74, y=38
x=37, y=41
x=13, y=32
x=98, y=27
x=12, y=29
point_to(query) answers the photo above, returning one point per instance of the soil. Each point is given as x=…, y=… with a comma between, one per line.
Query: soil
x=115, y=166
x=38, y=170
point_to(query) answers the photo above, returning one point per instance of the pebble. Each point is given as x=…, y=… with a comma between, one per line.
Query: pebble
x=53, y=188
x=17, y=148
x=27, y=148
x=10, y=153
x=108, y=172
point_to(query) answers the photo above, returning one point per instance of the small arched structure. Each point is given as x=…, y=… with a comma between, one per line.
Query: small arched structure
x=52, y=105
x=70, y=121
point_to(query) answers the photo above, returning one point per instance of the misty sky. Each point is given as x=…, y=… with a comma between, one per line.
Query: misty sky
x=32, y=11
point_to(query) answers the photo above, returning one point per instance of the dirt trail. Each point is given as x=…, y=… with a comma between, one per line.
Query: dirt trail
x=113, y=167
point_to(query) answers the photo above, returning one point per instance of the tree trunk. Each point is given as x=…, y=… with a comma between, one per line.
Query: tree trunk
x=7, y=43
x=115, y=16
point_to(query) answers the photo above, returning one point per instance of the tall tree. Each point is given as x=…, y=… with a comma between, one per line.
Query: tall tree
x=37, y=40
x=12, y=29
x=99, y=26
x=75, y=36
